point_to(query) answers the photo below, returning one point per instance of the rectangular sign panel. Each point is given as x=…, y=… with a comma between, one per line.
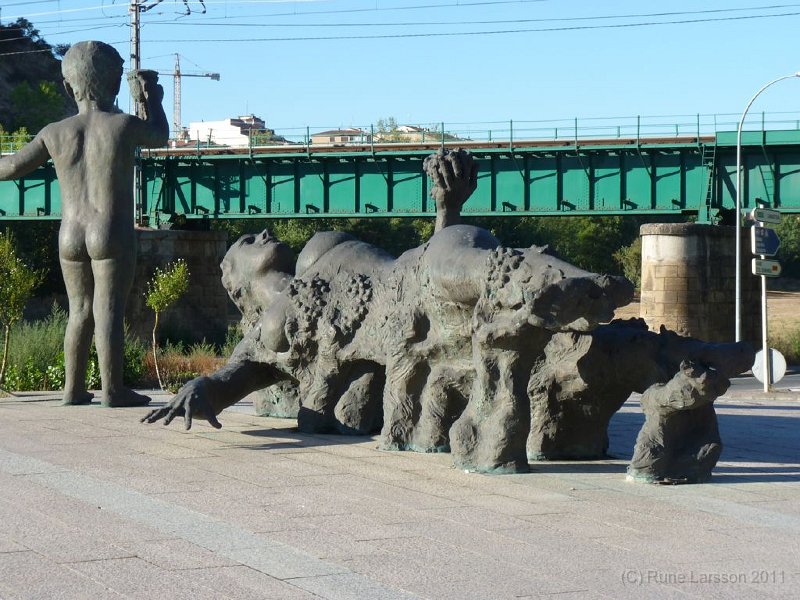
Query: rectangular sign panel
x=767, y=268
x=766, y=215
x=764, y=241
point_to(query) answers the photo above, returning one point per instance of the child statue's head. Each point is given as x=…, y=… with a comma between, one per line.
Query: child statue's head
x=92, y=72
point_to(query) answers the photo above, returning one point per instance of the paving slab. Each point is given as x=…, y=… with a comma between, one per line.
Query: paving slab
x=30, y=576
x=110, y=508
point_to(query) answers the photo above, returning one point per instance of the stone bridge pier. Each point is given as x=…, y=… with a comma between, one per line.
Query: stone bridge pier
x=688, y=281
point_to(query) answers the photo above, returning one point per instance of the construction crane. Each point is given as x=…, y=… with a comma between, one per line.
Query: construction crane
x=177, y=74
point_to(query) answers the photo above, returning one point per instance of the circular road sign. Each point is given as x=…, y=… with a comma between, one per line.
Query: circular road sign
x=777, y=364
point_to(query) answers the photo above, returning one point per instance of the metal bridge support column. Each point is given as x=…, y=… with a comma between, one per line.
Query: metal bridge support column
x=688, y=284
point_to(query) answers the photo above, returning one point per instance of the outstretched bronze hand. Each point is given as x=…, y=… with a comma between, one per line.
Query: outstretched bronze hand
x=454, y=174
x=193, y=400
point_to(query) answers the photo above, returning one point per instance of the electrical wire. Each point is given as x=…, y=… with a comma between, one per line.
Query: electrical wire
x=211, y=20
x=459, y=5
x=477, y=33
x=78, y=20
x=455, y=4
x=25, y=52
x=490, y=22
x=484, y=32
x=295, y=13
x=82, y=29
x=120, y=6
x=61, y=11
x=2, y=54
x=33, y=2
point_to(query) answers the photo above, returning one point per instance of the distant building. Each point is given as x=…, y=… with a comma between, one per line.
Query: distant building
x=236, y=131
x=341, y=136
x=410, y=134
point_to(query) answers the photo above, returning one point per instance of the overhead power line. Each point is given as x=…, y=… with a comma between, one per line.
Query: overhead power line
x=77, y=20
x=477, y=33
x=82, y=29
x=104, y=7
x=210, y=20
x=33, y=2
x=187, y=7
x=461, y=5
x=453, y=4
x=62, y=11
x=295, y=13
x=482, y=32
x=487, y=22
x=25, y=52
x=50, y=49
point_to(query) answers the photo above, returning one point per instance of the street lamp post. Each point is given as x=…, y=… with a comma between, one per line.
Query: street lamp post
x=738, y=302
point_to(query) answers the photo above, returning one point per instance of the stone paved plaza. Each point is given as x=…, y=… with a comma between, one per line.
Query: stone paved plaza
x=94, y=505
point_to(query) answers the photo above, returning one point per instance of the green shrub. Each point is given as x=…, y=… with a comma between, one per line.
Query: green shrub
x=202, y=350
x=629, y=258
x=25, y=378
x=36, y=353
x=173, y=381
x=17, y=283
x=36, y=356
x=134, y=366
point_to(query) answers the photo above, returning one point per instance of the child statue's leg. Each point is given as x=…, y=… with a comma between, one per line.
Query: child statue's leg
x=112, y=282
x=78, y=338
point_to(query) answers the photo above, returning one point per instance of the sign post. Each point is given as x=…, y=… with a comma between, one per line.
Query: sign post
x=765, y=242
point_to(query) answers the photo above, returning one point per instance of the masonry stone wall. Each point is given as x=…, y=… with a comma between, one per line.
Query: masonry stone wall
x=688, y=281
x=202, y=313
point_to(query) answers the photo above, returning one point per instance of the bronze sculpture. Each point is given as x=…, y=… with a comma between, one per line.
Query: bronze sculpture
x=93, y=153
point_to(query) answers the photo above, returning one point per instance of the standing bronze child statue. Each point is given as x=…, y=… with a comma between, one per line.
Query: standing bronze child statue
x=93, y=154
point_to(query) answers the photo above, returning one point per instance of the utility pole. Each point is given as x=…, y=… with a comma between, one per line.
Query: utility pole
x=135, y=10
x=176, y=100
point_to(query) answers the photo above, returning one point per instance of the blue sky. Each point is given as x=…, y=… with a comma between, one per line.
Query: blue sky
x=712, y=62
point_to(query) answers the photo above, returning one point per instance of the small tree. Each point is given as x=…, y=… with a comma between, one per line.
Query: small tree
x=163, y=290
x=17, y=283
x=387, y=130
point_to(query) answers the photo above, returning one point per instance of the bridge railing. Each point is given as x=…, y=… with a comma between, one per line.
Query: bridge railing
x=641, y=127
x=11, y=142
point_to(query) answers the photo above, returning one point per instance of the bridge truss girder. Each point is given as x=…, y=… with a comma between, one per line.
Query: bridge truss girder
x=680, y=177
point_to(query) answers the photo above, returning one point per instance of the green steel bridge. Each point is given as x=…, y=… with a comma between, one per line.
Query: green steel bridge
x=614, y=175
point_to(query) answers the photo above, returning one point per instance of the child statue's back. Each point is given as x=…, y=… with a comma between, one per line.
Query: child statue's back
x=93, y=153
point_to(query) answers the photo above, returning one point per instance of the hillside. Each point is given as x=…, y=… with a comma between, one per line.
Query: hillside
x=26, y=58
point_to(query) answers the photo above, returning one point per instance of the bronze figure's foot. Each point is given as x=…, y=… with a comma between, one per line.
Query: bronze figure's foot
x=79, y=399
x=125, y=398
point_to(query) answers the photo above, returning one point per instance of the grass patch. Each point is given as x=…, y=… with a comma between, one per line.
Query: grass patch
x=787, y=341
x=36, y=358
x=179, y=364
